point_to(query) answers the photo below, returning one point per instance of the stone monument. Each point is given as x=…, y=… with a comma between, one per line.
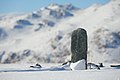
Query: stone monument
x=79, y=45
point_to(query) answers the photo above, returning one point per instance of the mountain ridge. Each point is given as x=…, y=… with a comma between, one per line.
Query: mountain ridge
x=45, y=35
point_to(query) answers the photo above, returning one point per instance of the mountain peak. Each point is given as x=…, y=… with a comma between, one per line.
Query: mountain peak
x=68, y=6
x=45, y=35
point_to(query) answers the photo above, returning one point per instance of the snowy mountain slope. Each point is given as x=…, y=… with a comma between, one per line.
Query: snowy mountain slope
x=48, y=35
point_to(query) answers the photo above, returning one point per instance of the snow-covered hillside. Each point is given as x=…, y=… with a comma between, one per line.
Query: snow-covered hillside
x=45, y=35
x=21, y=71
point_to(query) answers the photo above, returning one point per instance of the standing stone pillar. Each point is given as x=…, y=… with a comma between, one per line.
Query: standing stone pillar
x=79, y=45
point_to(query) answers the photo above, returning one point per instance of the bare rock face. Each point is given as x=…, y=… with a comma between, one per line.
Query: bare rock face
x=79, y=45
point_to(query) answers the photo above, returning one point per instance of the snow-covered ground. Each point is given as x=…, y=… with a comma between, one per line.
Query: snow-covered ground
x=23, y=72
x=45, y=35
